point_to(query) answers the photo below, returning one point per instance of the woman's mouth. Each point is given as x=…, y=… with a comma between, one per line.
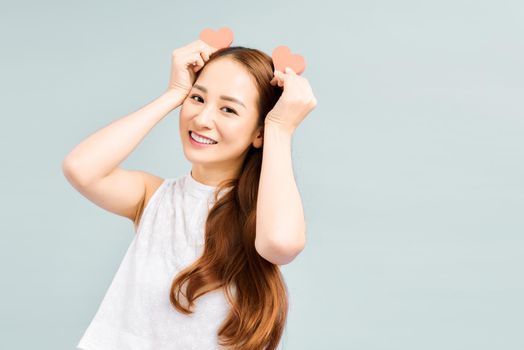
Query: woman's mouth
x=200, y=141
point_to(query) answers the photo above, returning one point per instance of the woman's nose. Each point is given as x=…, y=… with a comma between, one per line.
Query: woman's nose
x=205, y=116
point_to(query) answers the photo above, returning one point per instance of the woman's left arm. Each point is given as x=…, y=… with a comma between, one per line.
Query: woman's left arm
x=281, y=227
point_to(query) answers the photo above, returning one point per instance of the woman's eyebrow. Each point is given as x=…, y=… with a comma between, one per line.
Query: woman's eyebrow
x=227, y=98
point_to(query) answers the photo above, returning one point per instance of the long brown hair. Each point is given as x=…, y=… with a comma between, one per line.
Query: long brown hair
x=259, y=304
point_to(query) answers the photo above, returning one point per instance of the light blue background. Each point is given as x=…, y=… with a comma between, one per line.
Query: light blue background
x=410, y=167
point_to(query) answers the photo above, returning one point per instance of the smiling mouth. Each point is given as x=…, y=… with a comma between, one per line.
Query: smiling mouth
x=213, y=142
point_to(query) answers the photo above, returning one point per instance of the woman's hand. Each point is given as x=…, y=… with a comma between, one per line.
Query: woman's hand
x=185, y=62
x=294, y=104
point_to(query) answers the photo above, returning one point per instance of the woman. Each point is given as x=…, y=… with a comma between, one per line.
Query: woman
x=202, y=270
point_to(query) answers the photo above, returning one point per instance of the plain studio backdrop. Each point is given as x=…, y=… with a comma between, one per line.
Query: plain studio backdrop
x=410, y=168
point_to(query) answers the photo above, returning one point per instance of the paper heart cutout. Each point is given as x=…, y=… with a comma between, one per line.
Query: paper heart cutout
x=219, y=39
x=282, y=58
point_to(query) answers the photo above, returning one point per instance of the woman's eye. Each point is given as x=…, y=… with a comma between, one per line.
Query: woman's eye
x=232, y=110
x=195, y=96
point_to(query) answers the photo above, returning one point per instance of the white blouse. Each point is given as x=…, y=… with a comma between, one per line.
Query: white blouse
x=135, y=312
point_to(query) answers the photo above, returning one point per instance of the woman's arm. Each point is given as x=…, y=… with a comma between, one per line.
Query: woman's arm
x=281, y=228
x=100, y=153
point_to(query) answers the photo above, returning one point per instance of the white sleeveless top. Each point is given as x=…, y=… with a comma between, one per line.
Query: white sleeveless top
x=135, y=313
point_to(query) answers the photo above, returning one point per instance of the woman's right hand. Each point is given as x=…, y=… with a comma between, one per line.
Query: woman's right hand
x=185, y=62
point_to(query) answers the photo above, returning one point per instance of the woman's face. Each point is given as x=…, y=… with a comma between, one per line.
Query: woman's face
x=209, y=111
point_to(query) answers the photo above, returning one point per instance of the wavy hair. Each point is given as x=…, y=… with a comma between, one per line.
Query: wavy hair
x=259, y=300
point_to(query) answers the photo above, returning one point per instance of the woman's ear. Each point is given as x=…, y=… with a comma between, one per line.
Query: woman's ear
x=259, y=137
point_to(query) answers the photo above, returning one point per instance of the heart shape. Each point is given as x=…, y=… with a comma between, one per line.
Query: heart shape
x=282, y=58
x=219, y=39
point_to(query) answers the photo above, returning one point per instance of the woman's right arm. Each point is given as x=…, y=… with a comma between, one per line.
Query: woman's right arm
x=92, y=167
x=100, y=153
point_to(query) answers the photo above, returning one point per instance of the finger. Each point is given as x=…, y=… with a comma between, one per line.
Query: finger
x=202, y=46
x=205, y=56
x=198, y=61
x=276, y=80
x=282, y=76
x=278, y=75
x=289, y=70
x=198, y=64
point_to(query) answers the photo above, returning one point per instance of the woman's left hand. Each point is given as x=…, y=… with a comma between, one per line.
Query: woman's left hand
x=294, y=104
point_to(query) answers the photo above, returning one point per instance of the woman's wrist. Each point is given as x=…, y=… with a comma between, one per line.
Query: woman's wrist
x=279, y=127
x=175, y=96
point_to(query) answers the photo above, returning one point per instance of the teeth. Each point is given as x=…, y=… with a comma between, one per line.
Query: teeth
x=201, y=140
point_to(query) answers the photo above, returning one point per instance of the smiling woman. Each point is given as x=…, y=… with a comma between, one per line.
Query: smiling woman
x=204, y=242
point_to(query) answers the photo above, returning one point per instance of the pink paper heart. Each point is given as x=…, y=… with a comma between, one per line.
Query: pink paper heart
x=282, y=58
x=219, y=39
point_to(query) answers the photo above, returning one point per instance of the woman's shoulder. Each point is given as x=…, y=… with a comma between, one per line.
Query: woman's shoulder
x=152, y=183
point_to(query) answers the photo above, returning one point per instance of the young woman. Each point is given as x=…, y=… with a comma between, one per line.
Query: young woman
x=202, y=270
